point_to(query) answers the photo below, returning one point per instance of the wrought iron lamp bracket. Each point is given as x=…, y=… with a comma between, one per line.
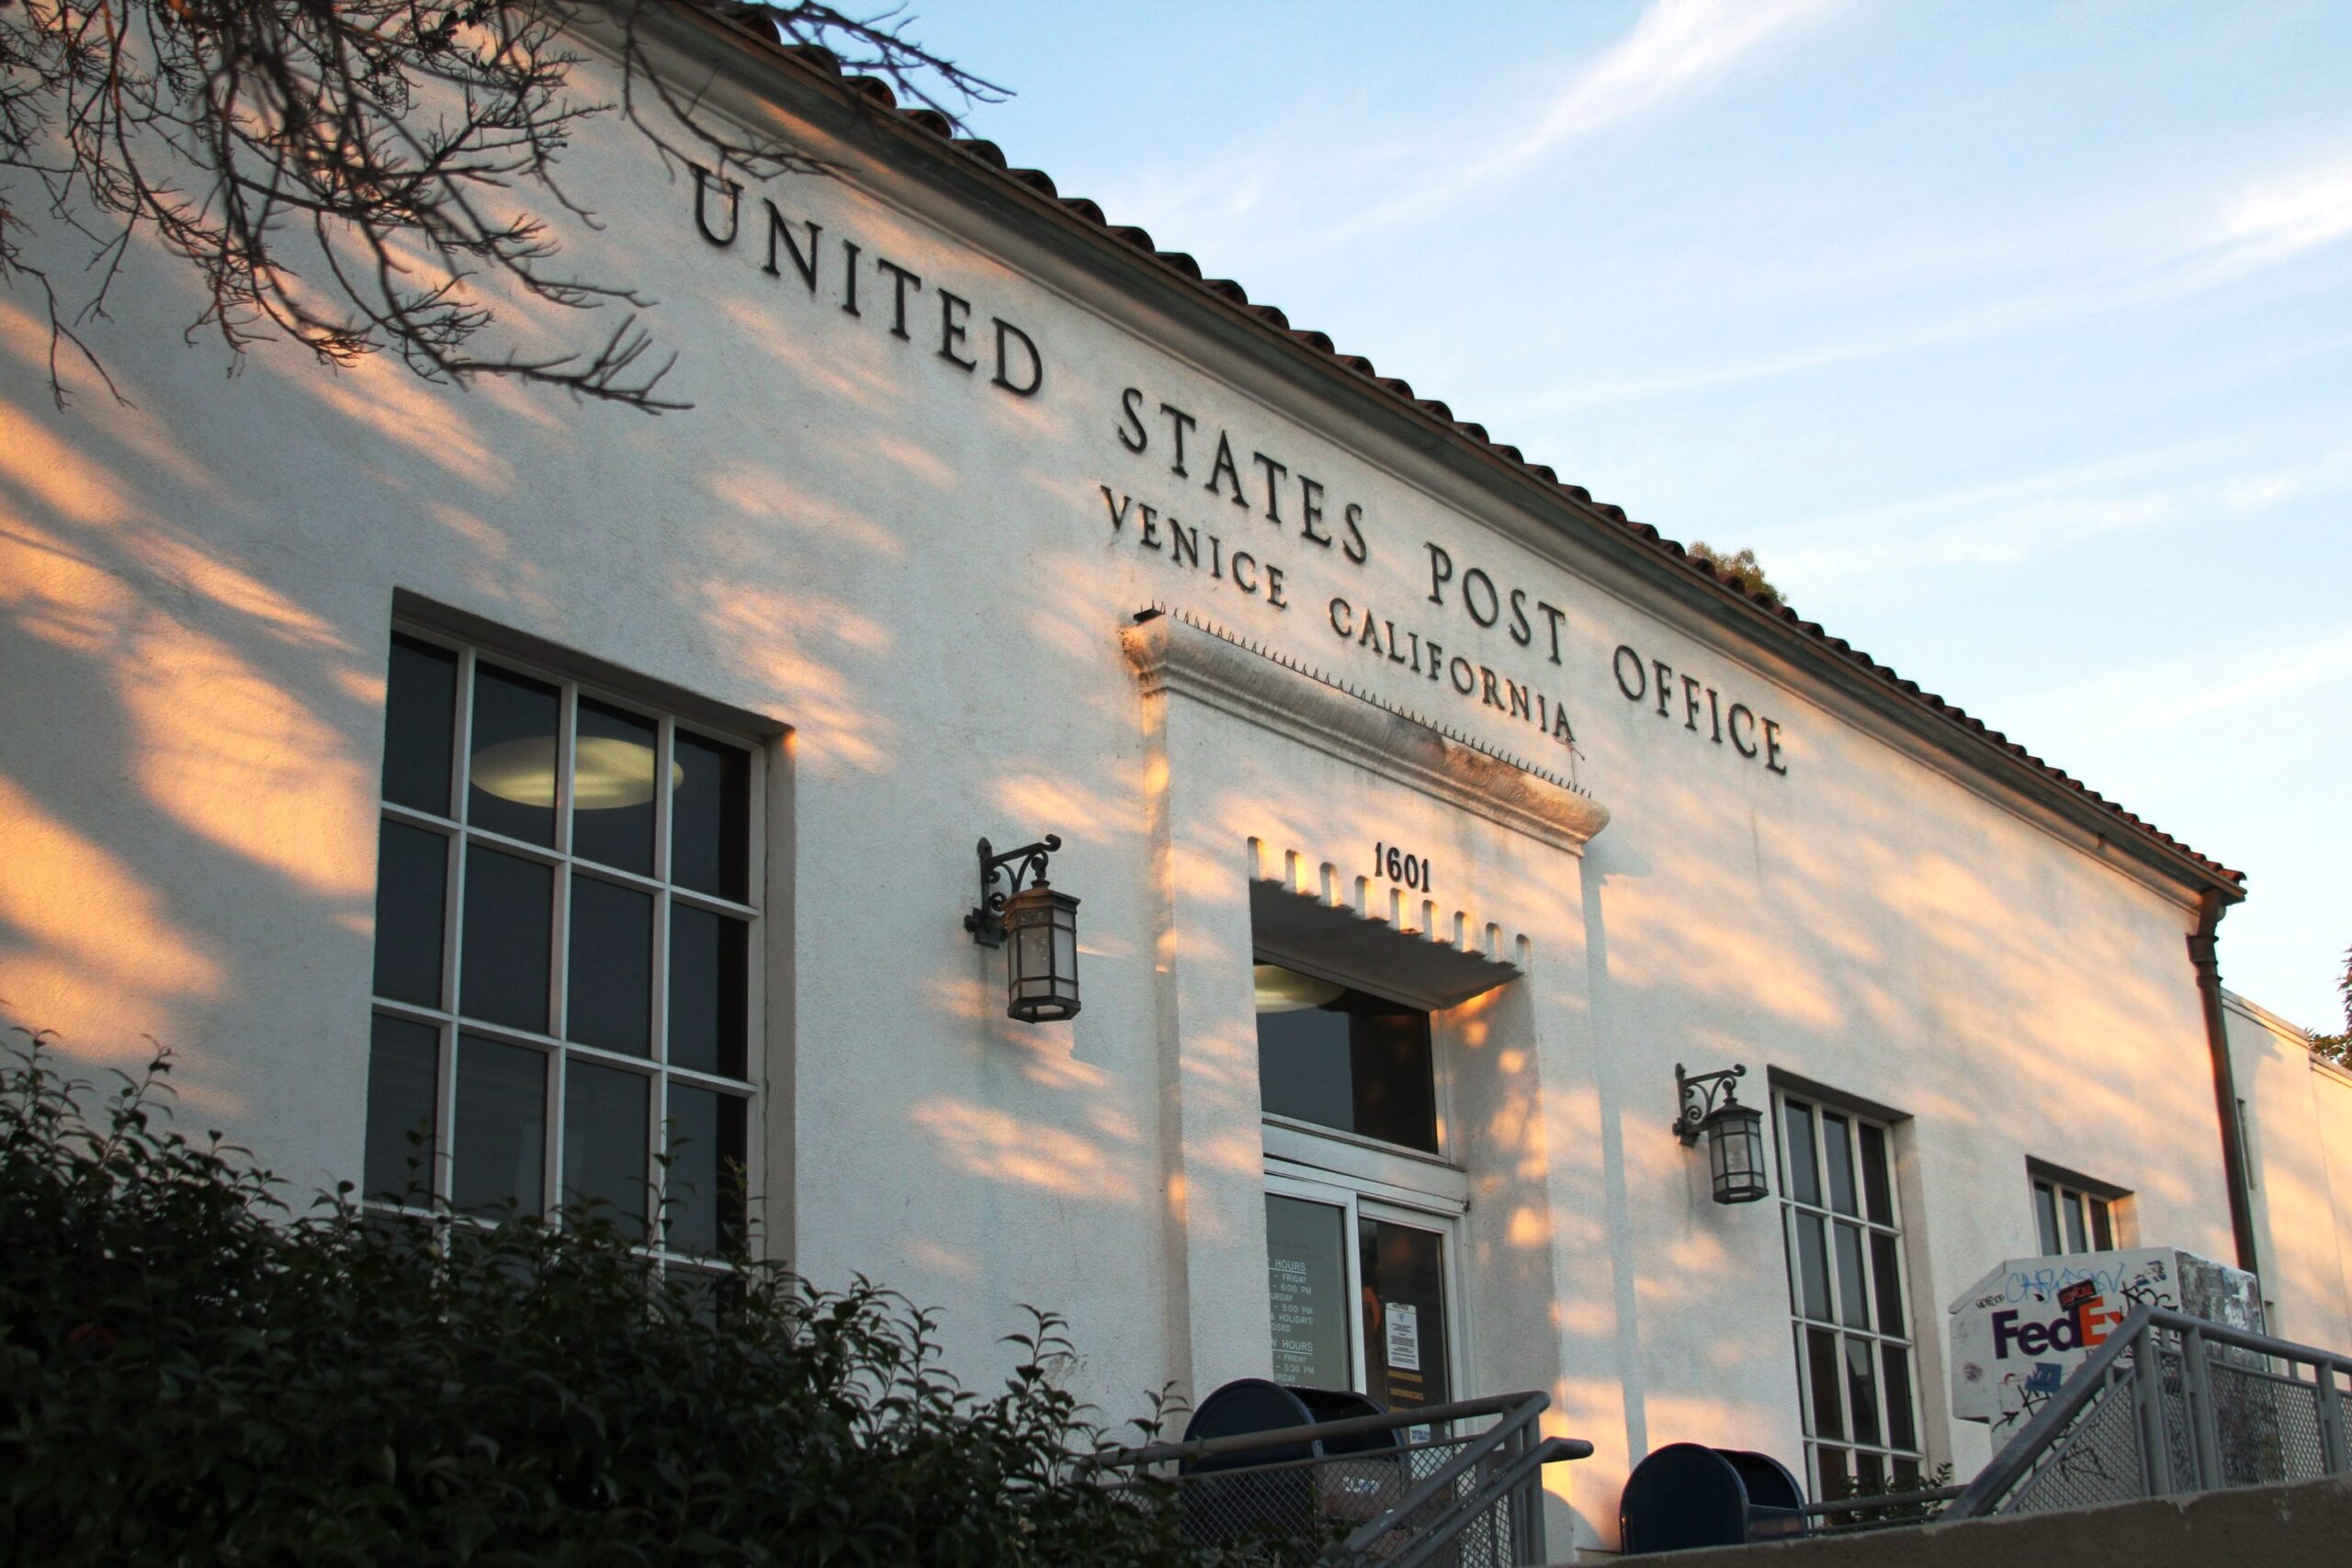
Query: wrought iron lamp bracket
x=986, y=923
x=1698, y=1096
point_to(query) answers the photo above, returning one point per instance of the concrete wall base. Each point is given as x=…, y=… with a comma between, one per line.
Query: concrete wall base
x=2257, y=1526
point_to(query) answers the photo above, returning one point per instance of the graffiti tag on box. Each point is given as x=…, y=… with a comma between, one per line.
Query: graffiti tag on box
x=2023, y=1328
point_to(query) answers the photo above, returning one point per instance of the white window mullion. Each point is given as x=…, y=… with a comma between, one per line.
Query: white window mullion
x=556, y=1054
x=445, y=1146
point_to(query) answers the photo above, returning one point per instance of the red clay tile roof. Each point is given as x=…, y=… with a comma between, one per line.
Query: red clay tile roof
x=739, y=21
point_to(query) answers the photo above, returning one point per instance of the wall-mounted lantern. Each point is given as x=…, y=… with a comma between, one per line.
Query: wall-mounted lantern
x=1041, y=956
x=1734, y=1132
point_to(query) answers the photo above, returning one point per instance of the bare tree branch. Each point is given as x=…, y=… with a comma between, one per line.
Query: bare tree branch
x=361, y=177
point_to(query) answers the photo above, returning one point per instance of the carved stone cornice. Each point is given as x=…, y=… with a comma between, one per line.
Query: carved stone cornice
x=1173, y=654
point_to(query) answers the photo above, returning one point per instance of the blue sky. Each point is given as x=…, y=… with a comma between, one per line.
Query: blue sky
x=2016, y=340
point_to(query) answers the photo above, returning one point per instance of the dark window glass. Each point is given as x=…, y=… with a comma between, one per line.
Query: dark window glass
x=710, y=837
x=1900, y=1429
x=1812, y=1267
x=1907, y=1475
x=1346, y=1059
x=403, y=1085
x=708, y=972
x=1888, y=1268
x=604, y=1161
x=1804, y=1179
x=1852, y=1295
x=1403, y=1269
x=509, y=906
x=2102, y=1225
x=1306, y=1283
x=2045, y=1218
x=703, y=1207
x=2075, y=1240
x=611, y=972
x=1821, y=1369
x=420, y=725
x=511, y=765
x=1861, y=1381
x=1875, y=1187
x=501, y=1127
x=613, y=755
x=1840, y=1156
x=1835, y=1476
x=1870, y=1472
x=412, y=885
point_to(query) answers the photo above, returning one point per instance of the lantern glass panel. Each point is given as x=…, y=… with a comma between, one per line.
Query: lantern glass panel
x=1736, y=1154
x=1041, y=958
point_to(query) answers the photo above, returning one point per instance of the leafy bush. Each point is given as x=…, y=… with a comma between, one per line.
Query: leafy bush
x=1742, y=568
x=1853, y=1488
x=2338, y=1048
x=194, y=1375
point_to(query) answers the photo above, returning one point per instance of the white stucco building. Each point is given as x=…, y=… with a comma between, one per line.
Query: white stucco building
x=337, y=708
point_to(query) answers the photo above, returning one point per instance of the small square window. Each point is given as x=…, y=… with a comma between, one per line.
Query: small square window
x=2071, y=1215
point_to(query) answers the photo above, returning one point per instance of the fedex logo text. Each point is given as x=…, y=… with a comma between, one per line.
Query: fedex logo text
x=2084, y=1327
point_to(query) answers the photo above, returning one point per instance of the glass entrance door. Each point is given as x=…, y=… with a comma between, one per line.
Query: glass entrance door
x=1358, y=1291
x=1402, y=1269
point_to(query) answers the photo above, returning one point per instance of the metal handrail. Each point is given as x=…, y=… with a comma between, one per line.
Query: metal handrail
x=1500, y=1484
x=1522, y=1410
x=1283, y=1437
x=2104, y=1374
x=1519, y=1412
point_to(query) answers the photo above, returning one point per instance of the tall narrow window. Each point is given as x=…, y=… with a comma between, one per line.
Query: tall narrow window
x=1357, y=1267
x=565, y=912
x=1852, y=1321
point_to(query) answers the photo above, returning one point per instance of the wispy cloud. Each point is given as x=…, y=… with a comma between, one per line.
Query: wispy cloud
x=2278, y=218
x=2205, y=686
x=1842, y=557
x=1677, y=49
x=2266, y=221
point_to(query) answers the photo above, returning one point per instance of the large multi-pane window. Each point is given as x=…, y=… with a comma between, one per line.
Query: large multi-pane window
x=1854, y=1347
x=566, y=916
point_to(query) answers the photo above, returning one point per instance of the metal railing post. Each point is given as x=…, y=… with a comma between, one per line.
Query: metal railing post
x=2150, y=1337
x=2197, y=1383
x=2148, y=1413
x=2331, y=1456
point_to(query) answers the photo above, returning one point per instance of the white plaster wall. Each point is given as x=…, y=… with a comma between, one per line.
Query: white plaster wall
x=2299, y=1128
x=917, y=574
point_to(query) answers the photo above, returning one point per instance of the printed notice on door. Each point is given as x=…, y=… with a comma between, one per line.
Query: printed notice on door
x=1306, y=1288
x=1403, y=1335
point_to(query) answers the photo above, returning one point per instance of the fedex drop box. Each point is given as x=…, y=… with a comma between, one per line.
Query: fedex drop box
x=2020, y=1332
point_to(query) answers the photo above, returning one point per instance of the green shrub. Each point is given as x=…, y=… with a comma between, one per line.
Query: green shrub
x=194, y=1375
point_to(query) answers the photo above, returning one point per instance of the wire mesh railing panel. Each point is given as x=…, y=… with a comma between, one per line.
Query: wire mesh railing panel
x=2215, y=1406
x=1480, y=1540
x=1302, y=1511
x=2180, y=1451
x=2097, y=1461
x=2265, y=1427
x=1456, y=1486
x=1470, y=1521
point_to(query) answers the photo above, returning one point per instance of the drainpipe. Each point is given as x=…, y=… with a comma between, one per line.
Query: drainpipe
x=2202, y=957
